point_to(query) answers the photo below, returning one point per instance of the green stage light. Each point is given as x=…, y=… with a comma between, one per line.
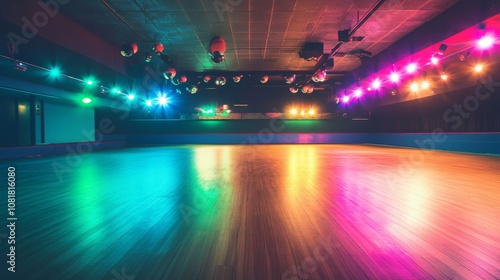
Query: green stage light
x=86, y=100
x=55, y=72
x=207, y=111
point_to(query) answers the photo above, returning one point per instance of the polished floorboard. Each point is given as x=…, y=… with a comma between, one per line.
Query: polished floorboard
x=256, y=212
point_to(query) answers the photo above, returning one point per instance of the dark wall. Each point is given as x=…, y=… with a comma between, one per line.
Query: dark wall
x=244, y=126
x=8, y=121
x=26, y=121
x=15, y=121
x=66, y=123
x=122, y=123
x=475, y=109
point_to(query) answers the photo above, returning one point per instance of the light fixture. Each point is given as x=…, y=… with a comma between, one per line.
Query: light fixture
x=376, y=84
x=345, y=99
x=293, y=111
x=220, y=81
x=434, y=60
x=358, y=92
x=169, y=74
x=149, y=103
x=290, y=79
x=55, y=72
x=158, y=48
x=479, y=68
x=394, y=77
x=425, y=85
x=131, y=96
x=86, y=100
x=217, y=48
x=411, y=68
x=22, y=108
x=148, y=57
x=20, y=66
x=444, y=76
x=192, y=89
x=486, y=42
x=237, y=79
x=162, y=100
x=175, y=81
x=129, y=49
x=414, y=87
x=442, y=49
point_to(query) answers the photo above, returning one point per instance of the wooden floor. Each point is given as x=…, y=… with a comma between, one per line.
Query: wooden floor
x=257, y=212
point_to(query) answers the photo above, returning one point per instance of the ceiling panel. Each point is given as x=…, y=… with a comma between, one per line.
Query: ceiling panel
x=253, y=29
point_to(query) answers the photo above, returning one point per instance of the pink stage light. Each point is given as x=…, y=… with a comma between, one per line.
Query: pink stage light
x=376, y=84
x=411, y=68
x=358, y=92
x=394, y=77
x=434, y=60
x=345, y=99
x=486, y=42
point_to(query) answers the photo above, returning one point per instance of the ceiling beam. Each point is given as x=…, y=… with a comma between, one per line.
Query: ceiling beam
x=35, y=19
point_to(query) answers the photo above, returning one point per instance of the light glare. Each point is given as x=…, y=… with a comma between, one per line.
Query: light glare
x=414, y=86
x=376, y=84
x=479, y=68
x=55, y=72
x=394, y=77
x=358, y=92
x=162, y=100
x=486, y=42
x=411, y=68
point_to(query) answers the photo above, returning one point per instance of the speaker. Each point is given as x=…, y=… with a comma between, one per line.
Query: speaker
x=344, y=35
x=311, y=51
